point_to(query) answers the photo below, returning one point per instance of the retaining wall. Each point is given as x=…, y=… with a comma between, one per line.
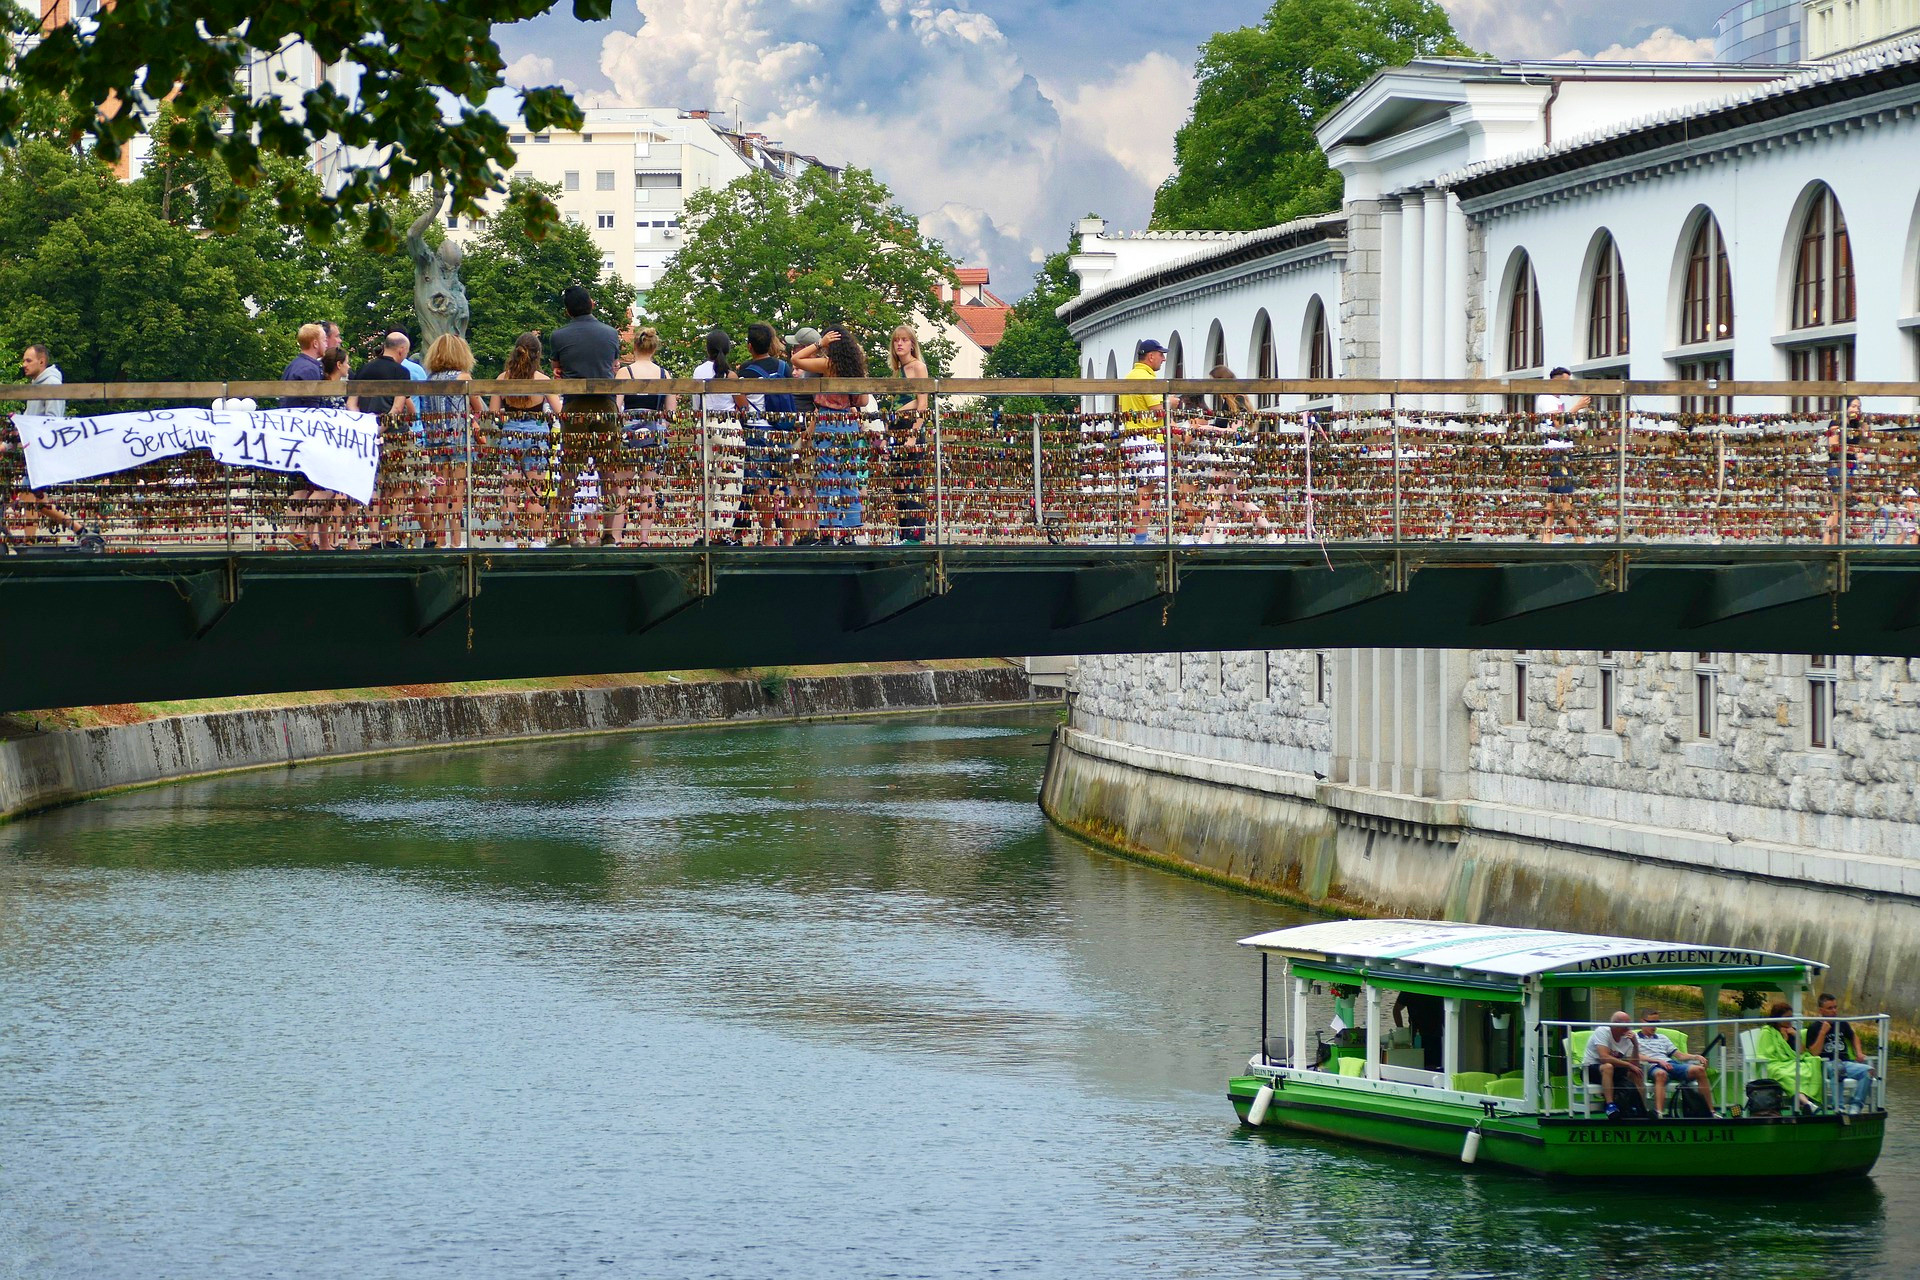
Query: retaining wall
x=1352, y=850
x=57, y=768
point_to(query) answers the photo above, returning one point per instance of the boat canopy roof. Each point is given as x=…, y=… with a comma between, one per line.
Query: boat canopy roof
x=1499, y=960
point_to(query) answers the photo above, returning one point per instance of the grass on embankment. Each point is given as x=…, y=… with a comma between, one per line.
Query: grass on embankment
x=22, y=723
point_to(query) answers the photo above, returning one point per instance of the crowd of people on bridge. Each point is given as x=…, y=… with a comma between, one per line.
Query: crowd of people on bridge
x=789, y=466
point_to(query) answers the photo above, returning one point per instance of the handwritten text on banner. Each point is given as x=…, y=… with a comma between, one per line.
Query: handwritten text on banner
x=333, y=448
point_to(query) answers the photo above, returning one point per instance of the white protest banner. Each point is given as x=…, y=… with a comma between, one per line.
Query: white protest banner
x=333, y=448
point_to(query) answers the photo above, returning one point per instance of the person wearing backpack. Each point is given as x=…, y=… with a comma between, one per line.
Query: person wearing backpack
x=768, y=419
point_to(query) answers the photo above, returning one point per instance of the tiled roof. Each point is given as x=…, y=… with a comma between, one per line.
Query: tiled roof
x=1813, y=86
x=983, y=325
x=971, y=275
x=1225, y=246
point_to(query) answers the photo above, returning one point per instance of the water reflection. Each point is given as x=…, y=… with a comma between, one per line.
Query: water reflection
x=827, y=1000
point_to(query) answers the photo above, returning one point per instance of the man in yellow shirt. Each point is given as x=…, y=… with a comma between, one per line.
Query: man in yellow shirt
x=1142, y=424
x=1147, y=359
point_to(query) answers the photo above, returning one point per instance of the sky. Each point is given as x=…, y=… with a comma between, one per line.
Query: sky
x=996, y=122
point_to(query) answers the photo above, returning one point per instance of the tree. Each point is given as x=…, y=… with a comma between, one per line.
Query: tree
x=115, y=292
x=1035, y=343
x=284, y=278
x=1247, y=157
x=514, y=281
x=97, y=82
x=813, y=251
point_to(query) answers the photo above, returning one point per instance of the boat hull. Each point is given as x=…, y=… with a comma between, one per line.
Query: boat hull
x=1749, y=1147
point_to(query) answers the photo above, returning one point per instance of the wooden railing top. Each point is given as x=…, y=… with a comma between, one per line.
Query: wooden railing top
x=1317, y=388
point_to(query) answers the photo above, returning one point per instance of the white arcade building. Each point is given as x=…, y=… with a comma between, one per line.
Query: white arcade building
x=1652, y=221
x=1622, y=219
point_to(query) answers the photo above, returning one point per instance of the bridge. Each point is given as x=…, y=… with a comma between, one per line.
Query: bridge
x=1321, y=514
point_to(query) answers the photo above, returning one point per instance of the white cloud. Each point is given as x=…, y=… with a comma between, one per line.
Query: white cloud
x=929, y=95
x=1133, y=115
x=529, y=70
x=1664, y=45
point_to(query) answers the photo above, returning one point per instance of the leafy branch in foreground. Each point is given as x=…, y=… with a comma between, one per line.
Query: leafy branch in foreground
x=73, y=86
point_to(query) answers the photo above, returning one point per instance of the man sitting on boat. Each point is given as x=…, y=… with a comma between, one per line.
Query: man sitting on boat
x=1613, y=1052
x=1664, y=1061
x=1834, y=1039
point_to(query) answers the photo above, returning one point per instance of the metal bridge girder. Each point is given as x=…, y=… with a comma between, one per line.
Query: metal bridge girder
x=1524, y=589
x=1737, y=590
x=1102, y=592
x=208, y=596
x=1314, y=591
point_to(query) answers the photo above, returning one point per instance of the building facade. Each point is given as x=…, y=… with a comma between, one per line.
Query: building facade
x=1500, y=219
x=626, y=174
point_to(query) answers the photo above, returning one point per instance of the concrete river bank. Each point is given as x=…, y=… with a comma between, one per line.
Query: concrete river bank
x=802, y=1000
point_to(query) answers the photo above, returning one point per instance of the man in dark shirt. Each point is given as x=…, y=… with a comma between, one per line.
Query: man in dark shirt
x=305, y=367
x=385, y=367
x=584, y=347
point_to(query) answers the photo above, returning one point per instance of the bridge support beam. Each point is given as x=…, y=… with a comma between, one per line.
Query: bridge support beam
x=439, y=593
x=1742, y=589
x=1524, y=589
x=658, y=594
x=1314, y=592
x=208, y=596
x=1101, y=593
x=880, y=594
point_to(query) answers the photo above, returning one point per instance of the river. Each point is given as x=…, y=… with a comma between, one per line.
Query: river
x=829, y=1000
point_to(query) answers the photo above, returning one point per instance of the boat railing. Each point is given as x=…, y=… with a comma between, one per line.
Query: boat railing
x=1734, y=1060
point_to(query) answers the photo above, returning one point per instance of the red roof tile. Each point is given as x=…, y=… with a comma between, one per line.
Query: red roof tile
x=983, y=324
x=971, y=275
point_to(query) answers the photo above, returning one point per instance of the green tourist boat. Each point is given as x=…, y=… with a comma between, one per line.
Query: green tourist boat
x=1480, y=1058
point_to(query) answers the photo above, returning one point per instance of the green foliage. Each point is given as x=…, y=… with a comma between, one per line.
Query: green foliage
x=808, y=252
x=514, y=281
x=196, y=51
x=128, y=281
x=115, y=292
x=774, y=681
x=1247, y=158
x=1036, y=343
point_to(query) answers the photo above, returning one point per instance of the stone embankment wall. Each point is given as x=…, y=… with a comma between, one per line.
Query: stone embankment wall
x=56, y=768
x=1212, y=764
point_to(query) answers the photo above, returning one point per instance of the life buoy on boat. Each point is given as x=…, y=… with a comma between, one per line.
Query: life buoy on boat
x=1261, y=1101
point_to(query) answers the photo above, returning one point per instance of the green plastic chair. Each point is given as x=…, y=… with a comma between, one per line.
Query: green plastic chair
x=1472, y=1081
x=1679, y=1038
x=1352, y=1067
x=1516, y=1074
x=1504, y=1088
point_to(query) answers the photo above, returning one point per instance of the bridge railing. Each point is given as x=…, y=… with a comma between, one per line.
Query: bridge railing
x=963, y=463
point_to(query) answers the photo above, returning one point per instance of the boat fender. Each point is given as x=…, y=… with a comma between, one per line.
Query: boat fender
x=1257, y=1113
x=1470, y=1150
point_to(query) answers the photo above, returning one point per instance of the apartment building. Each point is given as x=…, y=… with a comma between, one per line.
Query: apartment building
x=626, y=174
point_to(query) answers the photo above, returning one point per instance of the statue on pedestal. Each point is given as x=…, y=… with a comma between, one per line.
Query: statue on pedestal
x=438, y=296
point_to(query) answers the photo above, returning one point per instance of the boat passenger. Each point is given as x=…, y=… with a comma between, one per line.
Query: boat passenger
x=1612, y=1052
x=1665, y=1062
x=1835, y=1039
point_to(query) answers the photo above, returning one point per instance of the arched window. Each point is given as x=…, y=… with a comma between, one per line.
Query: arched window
x=1607, y=307
x=1319, y=341
x=1216, y=348
x=1176, y=357
x=1265, y=363
x=1823, y=269
x=1113, y=373
x=1706, y=315
x=1823, y=296
x=1526, y=338
x=1706, y=303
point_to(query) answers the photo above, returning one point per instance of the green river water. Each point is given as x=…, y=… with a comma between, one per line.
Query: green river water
x=828, y=1000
